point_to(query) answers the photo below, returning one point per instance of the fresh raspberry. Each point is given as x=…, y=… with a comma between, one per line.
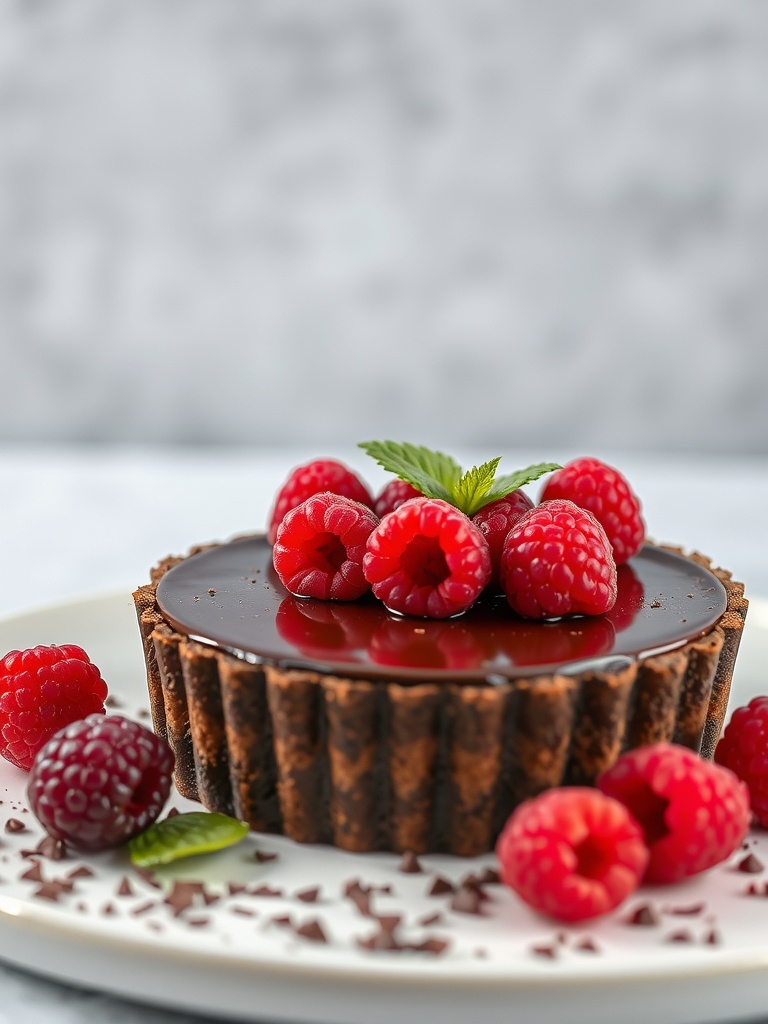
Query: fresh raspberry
x=602, y=490
x=320, y=545
x=693, y=813
x=393, y=495
x=98, y=782
x=495, y=520
x=313, y=478
x=557, y=561
x=743, y=748
x=41, y=690
x=427, y=558
x=572, y=853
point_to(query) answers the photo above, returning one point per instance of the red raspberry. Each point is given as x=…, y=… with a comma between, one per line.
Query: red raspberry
x=557, y=561
x=99, y=782
x=743, y=748
x=393, y=495
x=312, y=478
x=495, y=520
x=320, y=546
x=41, y=690
x=427, y=558
x=602, y=490
x=572, y=853
x=693, y=813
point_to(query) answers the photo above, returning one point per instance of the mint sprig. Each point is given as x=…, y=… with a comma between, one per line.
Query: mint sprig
x=439, y=476
x=185, y=835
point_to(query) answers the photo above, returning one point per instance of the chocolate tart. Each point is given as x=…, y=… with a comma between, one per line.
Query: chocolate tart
x=342, y=723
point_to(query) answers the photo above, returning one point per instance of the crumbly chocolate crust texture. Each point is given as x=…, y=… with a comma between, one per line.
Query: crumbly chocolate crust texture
x=426, y=767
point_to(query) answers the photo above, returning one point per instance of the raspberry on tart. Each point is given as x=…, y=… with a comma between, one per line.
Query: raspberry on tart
x=99, y=782
x=312, y=478
x=693, y=813
x=557, y=561
x=572, y=853
x=604, y=492
x=320, y=546
x=427, y=558
x=43, y=689
x=495, y=520
x=393, y=495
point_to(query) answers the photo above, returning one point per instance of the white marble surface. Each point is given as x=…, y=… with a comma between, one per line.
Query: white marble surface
x=76, y=521
x=449, y=220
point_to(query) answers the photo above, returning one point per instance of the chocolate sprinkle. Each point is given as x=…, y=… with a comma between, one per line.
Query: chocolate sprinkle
x=81, y=872
x=690, y=911
x=712, y=938
x=440, y=886
x=409, y=864
x=490, y=876
x=265, y=890
x=587, y=945
x=125, y=888
x=681, y=936
x=644, y=915
x=750, y=865
x=308, y=895
x=235, y=888
x=33, y=874
x=13, y=825
x=263, y=857
x=143, y=908
x=466, y=901
x=283, y=920
x=429, y=919
x=311, y=930
x=547, y=952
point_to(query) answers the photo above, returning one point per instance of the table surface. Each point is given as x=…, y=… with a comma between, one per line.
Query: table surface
x=81, y=520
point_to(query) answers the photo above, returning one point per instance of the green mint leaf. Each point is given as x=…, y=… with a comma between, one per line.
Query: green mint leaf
x=432, y=473
x=471, y=490
x=185, y=835
x=504, y=485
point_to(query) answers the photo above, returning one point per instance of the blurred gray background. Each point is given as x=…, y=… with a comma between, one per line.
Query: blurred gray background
x=519, y=223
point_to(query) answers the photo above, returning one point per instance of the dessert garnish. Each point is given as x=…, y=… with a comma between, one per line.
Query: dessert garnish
x=42, y=689
x=743, y=748
x=100, y=781
x=185, y=835
x=313, y=478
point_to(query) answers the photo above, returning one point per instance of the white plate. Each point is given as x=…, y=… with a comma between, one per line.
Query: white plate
x=248, y=967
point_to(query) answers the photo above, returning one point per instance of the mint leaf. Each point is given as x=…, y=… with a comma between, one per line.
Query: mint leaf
x=185, y=835
x=470, y=493
x=504, y=485
x=432, y=473
x=439, y=476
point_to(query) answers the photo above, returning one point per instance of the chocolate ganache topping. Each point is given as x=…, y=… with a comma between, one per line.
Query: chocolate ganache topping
x=230, y=596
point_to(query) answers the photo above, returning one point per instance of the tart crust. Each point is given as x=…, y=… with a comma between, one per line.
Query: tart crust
x=428, y=767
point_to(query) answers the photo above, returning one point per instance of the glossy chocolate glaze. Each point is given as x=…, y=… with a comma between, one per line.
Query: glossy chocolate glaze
x=230, y=596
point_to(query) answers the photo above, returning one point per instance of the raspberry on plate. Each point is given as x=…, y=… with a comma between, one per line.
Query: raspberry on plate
x=320, y=546
x=427, y=558
x=495, y=520
x=557, y=561
x=693, y=813
x=604, y=491
x=743, y=748
x=393, y=495
x=99, y=782
x=43, y=689
x=572, y=853
x=313, y=478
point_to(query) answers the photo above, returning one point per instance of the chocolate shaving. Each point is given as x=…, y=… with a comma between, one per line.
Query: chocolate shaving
x=112, y=702
x=378, y=940
x=143, y=908
x=263, y=857
x=360, y=896
x=308, y=895
x=148, y=876
x=490, y=876
x=644, y=915
x=388, y=922
x=33, y=874
x=750, y=865
x=690, y=911
x=587, y=945
x=198, y=922
x=182, y=896
x=243, y=911
x=125, y=888
x=13, y=825
x=235, y=888
x=712, y=938
x=52, y=890
x=283, y=920
x=311, y=930
x=440, y=886
x=547, y=952
x=265, y=890
x=53, y=849
x=108, y=910
x=434, y=946
x=429, y=919
x=681, y=936
x=466, y=900
x=81, y=872
x=172, y=813
x=409, y=864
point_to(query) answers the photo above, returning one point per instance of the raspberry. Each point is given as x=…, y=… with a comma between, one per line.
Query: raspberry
x=495, y=520
x=557, y=561
x=320, y=546
x=427, y=558
x=693, y=813
x=743, y=748
x=393, y=495
x=572, y=853
x=312, y=478
x=99, y=782
x=602, y=490
x=41, y=690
